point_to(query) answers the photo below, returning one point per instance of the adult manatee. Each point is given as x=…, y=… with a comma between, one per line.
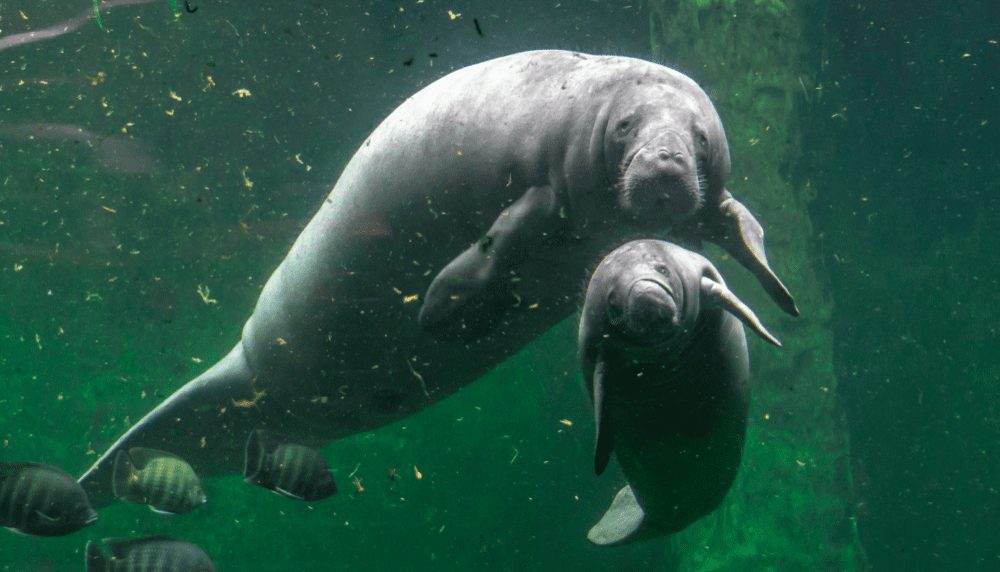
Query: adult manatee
x=540, y=161
x=665, y=359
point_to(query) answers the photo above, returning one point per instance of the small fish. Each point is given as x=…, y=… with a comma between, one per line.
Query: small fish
x=287, y=468
x=159, y=479
x=159, y=553
x=42, y=500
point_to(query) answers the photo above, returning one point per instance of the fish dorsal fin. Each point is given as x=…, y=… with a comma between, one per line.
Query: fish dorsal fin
x=141, y=456
x=120, y=547
x=12, y=470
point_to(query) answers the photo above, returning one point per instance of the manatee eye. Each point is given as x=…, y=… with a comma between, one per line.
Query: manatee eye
x=615, y=311
x=702, y=140
x=624, y=127
x=662, y=269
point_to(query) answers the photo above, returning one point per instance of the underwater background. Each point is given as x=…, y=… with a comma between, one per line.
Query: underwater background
x=156, y=166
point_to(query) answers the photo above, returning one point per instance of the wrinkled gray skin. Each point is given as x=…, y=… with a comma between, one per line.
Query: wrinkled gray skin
x=541, y=161
x=665, y=360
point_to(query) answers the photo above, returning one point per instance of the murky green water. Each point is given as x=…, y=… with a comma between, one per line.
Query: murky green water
x=154, y=172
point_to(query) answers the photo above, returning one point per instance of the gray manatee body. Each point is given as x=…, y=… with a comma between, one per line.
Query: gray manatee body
x=540, y=161
x=665, y=359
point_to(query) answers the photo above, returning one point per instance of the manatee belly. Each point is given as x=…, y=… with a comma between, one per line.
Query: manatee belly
x=680, y=438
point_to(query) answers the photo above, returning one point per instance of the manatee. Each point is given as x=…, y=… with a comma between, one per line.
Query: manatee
x=665, y=361
x=444, y=246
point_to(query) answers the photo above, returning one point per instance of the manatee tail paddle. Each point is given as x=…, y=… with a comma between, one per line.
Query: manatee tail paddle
x=200, y=423
x=624, y=522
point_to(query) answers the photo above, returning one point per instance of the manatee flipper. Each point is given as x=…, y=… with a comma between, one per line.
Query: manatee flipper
x=199, y=421
x=724, y=297
x=624, y=521
x=604, y=443
x=466, y=300
x=733, y=227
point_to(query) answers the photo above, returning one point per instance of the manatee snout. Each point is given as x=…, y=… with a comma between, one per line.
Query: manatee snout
x=663, y=180
x=650, y=309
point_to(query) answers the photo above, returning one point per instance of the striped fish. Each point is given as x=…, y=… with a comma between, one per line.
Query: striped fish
x=147, y=554
x=159, y=479
x=287, y=468
x=42, y=500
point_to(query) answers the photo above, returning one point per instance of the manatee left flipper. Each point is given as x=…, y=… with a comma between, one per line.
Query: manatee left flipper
x=733, y=227
x=624, y=521
x=468, y=297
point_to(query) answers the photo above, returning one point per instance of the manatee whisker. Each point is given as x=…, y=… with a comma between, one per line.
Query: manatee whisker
x=702, y=178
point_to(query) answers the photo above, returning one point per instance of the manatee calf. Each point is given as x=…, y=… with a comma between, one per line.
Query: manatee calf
x=540, y=161
x=665, y=359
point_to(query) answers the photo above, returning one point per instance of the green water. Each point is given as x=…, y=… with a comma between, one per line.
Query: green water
x=888, y=151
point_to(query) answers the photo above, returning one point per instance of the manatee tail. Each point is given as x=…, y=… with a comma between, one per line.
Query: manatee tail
x=200, y=423
x=624, y=522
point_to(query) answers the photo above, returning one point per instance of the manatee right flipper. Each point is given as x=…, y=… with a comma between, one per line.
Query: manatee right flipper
x=466, y=300
x=624, y=521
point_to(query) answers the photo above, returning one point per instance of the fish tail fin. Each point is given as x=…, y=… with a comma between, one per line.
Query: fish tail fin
x=95, y=559
x=124, y=475
x=256, y=455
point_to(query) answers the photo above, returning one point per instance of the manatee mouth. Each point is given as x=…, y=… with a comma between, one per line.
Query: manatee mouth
x=651, y=312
